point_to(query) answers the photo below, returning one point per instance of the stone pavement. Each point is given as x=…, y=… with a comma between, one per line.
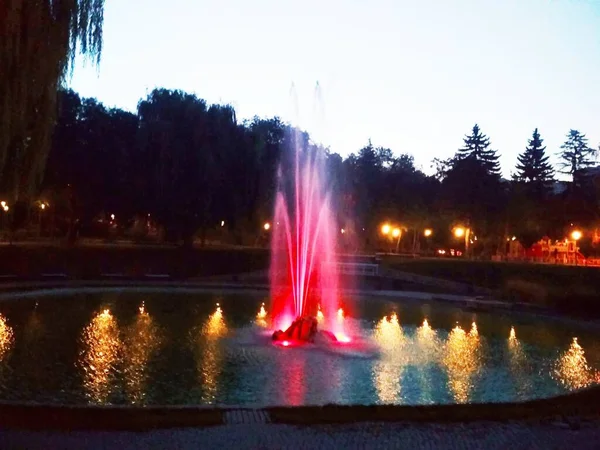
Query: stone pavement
x=371, y=436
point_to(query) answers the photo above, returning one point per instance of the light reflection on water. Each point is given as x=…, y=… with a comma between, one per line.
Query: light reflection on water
x=7, y=340
x=572, y=368
x=6, y=337
x=211, y=355
x=137, y=355
x=99, y=356
x=462, y=359
x=142, y=340
x=387, y=371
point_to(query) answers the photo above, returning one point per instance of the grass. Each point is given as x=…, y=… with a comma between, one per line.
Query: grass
x=569, y=289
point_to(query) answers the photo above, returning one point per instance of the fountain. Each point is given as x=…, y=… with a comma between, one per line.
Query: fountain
x=304, y=280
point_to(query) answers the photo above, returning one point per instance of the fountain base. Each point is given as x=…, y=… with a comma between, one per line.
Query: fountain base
x=303, y=329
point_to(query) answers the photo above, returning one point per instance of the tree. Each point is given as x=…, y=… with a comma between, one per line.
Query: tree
x=575, y=154
x=38, y=44
x=181, y=165
x=533, y=167
x=477, y=147
x=442, y=167
x=472, y=191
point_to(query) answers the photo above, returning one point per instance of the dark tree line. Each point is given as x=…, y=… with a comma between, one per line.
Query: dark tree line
x=191, y=165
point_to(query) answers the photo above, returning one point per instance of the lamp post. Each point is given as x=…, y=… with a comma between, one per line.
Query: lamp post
x=397, y=233
x=427, y=232
x=576, y=235
x=394, y=232
x=465, y=232
x=43, y=206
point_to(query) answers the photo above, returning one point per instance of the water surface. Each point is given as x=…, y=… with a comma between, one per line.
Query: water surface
x=168, y=347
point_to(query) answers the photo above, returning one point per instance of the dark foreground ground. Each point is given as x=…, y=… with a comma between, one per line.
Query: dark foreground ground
x=414, y=436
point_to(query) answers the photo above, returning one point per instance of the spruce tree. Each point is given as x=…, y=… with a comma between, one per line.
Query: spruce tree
x=477, y=148
x=576, y=154
x=533, y=165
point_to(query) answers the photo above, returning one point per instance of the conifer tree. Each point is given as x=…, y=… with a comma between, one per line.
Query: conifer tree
x=533, y=165
x=477, y=148
x=576, y=154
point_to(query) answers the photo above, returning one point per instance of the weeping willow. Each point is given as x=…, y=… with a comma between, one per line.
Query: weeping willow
x=39, y=40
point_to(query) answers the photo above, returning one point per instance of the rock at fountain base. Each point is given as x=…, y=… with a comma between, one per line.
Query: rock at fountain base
x=302, y=329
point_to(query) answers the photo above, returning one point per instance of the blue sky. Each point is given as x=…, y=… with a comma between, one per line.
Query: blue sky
x=413, y=76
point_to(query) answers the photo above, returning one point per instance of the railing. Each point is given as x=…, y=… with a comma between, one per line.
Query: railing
x=363, y=269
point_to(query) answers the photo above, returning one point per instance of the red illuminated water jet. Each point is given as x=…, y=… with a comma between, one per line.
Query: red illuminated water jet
x=303, y=271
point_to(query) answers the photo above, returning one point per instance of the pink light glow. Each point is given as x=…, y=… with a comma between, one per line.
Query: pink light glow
x=341, y=337
x=303, y=273
x=285, y=343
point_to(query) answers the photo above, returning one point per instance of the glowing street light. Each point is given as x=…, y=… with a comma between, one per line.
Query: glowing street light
x=459, y=232
x=342, y=231
x=43, y=206
x=576, y=235
x=267, y=226
x=428, y=232
x=396, y=232
x=385, y=229
x=463, y=232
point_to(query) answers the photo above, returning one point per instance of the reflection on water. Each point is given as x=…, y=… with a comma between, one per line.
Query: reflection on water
x=515, y=351
x=6, y=337
x=99, y=356
x=387, y=372
x=572, y=368
x=142, y=339
x=209, y=364
x=6, y=343
x=292, y=379
x=122, y=355
x=462, y=361
x=518, y=365
x=428, y=343
x=261, y=317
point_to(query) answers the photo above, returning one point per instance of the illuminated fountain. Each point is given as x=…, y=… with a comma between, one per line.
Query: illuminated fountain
x=304, y=280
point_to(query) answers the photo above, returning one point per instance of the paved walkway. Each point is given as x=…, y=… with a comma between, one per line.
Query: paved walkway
x=370, y=436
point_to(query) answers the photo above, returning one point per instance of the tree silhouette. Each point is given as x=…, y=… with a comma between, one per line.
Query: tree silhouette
x=575, y=154
x=533, y=167
x=38, y=44
x=477, y=147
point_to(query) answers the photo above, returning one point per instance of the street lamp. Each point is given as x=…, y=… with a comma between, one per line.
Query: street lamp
x=576, y=235
x=267, y=226
x=385, y=229
x=460, y=232
x=397, y=233
x=428, y=232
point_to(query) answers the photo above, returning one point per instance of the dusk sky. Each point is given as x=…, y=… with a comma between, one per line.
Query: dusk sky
x=413, y=76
